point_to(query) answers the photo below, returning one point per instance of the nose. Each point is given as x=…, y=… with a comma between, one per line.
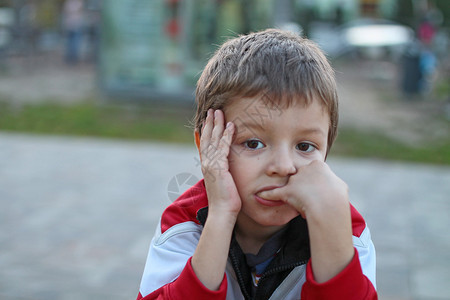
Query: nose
x=281, y=163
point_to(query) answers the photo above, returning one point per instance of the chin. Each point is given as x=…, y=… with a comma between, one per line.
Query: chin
x=277, y=221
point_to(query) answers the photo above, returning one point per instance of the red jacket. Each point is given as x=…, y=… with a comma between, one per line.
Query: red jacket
x=168, y=272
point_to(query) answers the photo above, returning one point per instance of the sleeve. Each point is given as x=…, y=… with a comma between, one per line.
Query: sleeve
x=355, y=282
x=186, y=286
x=168, y=272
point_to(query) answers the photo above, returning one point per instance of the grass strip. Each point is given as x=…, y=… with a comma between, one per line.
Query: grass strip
x=366, y=144
x=160, y=123
x=108, y=121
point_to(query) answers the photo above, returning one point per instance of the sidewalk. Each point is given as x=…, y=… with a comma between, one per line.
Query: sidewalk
x=78, y=214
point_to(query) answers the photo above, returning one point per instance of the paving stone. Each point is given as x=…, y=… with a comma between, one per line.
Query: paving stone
x=431, y=282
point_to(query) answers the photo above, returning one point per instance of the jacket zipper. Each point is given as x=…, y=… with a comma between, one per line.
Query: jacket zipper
x=237, y=270
x=269, y=272
x=281, y=269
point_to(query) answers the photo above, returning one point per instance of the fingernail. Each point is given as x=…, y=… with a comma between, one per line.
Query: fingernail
x=228, y=124
x=216, y=113
x=208, y=113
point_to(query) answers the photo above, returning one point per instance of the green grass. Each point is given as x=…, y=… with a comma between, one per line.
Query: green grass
x=169, y=124
x=354, y=143
x=110, y=121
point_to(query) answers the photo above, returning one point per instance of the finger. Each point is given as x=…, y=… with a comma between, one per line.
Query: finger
x=275, y=194
x=219, y=124
x=283, y=195
x=206, y=132
x=225, y=141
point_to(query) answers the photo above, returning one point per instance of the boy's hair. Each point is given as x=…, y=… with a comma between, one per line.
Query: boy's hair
x=277, y=65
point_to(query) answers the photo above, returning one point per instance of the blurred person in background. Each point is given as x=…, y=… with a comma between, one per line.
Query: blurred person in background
x=73, y=25
x=430, y=21
x=29, y=28
x=93, y=29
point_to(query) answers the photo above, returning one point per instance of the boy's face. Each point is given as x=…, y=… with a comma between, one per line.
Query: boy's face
x=270, y=144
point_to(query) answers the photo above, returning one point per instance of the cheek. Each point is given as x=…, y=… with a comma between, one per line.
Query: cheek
x=288, y=213
x=233, y=157
x=321, y=156
x=239, y=160
x=306, y=160
x=243, y=170
x=236, y=166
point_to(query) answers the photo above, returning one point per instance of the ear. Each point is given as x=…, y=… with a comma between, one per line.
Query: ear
x=197, y=142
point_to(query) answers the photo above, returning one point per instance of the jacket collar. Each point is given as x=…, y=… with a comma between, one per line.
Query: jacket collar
x=294, y=251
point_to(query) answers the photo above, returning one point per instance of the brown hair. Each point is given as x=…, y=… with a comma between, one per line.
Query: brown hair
x=278, y=64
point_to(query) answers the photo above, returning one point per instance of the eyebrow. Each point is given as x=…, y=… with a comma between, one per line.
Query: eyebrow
x=247, y=124
x=314, y=131
x=251, y=125
x=243, y=126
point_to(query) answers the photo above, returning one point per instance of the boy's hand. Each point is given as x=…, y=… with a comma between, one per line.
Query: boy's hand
x=215, y=144
x=314, y=188
x=322, y=199
x=210, y=256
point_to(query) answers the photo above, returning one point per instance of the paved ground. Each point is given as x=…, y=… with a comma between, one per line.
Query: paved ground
x=78, y=214
x=25, y=80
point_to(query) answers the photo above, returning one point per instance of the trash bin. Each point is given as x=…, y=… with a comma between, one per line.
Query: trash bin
x=411, y=72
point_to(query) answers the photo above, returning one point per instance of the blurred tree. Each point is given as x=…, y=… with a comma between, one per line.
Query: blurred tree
x=405, y=13
x=47, y=15
x=304, y=14
x=408, y=14
x=444, y=7
x=246, y=9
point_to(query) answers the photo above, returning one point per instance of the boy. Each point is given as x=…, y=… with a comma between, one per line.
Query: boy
x=270, y=220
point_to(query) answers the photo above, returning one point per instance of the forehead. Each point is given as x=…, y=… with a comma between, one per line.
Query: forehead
x=263, y=106
x=259, y=114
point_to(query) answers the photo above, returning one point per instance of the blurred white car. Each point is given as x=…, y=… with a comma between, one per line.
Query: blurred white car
x=375, y=37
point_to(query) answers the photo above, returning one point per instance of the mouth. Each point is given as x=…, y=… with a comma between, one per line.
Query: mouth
x=265, y=202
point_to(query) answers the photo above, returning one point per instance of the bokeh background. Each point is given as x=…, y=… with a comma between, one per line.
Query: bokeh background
x=96, y=98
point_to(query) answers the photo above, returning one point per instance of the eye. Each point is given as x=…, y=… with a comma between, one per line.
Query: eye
x=253, y=144
x=305, y=147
